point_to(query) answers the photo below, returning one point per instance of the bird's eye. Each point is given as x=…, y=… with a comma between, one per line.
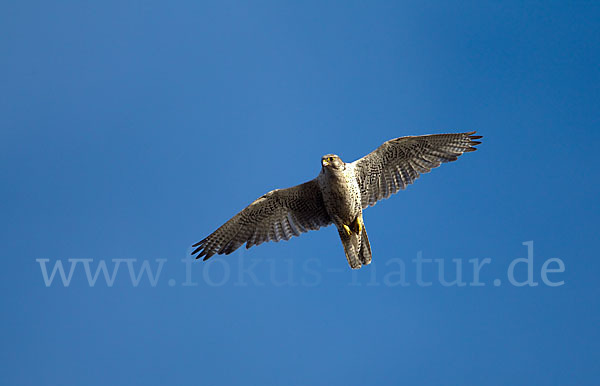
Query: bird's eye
x=330, y=159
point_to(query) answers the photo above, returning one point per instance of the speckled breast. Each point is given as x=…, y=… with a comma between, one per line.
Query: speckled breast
x=341, y=196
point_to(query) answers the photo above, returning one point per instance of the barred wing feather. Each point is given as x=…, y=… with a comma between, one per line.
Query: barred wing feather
x=399, y=162
x=278, y=215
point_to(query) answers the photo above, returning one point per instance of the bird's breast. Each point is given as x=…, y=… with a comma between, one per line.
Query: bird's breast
x=341, y=195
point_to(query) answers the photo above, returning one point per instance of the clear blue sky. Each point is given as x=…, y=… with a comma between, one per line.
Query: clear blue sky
x=131, y=130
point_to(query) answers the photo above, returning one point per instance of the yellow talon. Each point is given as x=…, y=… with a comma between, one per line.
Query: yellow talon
x=359, y=225
x=347, y=229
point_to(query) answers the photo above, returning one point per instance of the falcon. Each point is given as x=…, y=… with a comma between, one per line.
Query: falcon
x=338, y=195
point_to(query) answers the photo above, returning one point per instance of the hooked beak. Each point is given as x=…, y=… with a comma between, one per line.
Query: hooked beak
x=324, y=163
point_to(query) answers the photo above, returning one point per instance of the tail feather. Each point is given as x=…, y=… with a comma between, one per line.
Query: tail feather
x=352, y=248
x=365, y=248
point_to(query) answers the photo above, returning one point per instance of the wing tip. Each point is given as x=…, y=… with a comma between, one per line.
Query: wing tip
x=200, y=251
x=473, y=137
x=473, y=141
x=200, y=242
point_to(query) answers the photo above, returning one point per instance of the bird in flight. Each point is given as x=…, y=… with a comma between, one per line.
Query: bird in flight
x=338, y=195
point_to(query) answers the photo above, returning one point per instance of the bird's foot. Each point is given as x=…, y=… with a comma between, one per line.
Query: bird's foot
x=347, y=229
x=357, y=225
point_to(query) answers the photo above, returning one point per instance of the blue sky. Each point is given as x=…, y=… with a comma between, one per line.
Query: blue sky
x=131, y=130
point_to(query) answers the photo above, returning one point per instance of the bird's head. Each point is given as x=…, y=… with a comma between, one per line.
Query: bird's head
x=332, y=161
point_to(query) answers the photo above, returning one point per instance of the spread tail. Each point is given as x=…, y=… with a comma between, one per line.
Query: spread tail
x=356, y=245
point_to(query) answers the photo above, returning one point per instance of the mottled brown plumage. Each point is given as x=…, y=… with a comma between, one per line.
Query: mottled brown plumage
x=337, y=195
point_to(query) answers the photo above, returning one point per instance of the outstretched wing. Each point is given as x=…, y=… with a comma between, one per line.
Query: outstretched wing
x=278, y=215
x=399, y=162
